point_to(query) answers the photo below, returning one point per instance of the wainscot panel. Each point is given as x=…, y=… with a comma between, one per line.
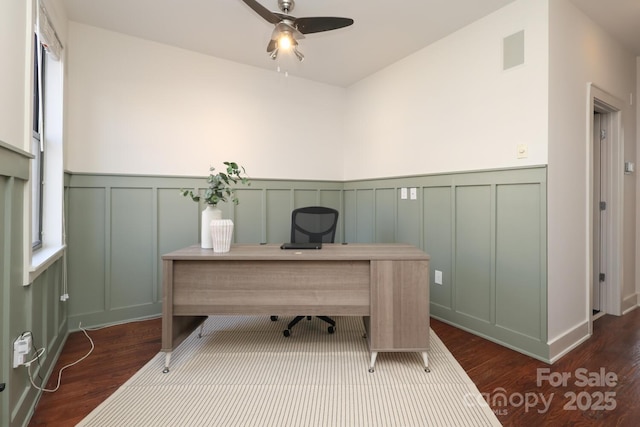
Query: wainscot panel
x=278, y=224
x=365, y=215
x=438, y=242
x=473, y=267
x=133, y=248
x=409, y=219
x=87, y=228
x=519, y=297
x=386, y=207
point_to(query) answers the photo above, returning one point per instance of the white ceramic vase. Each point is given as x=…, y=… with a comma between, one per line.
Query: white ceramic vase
x=221, y=234
x=209, y=214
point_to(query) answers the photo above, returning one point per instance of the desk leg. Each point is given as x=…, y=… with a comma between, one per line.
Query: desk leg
x=167, y=359
x=374, y=354
x=425, y=357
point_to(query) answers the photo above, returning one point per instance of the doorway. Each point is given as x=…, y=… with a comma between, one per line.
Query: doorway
x=605, y=205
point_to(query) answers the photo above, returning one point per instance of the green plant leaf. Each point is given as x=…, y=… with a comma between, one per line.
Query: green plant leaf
x=220, y=185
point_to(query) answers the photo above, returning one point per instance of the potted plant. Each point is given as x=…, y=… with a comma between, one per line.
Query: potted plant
x=220, y=185
x=219, y=190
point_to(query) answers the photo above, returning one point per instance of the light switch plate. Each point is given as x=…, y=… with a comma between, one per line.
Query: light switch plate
x=413, y=193
x=403, y=193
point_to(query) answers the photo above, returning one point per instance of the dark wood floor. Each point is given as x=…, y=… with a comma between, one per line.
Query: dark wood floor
x=497, y=371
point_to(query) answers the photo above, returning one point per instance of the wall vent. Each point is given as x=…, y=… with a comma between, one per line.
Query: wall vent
x=513, y=50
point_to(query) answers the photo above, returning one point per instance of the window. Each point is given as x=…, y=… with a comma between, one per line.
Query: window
x=45, y=231
x=37, y=144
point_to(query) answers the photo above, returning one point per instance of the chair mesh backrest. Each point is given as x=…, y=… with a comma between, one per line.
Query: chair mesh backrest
x=315, y=224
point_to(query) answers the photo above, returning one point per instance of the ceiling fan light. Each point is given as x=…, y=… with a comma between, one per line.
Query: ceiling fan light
x=299, y=54
x=285, y=41
x=274, y=54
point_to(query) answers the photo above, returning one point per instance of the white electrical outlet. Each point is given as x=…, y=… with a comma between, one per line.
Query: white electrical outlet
x=438, y=277
x=21, y=348
x=523, y=151
x=413, y=193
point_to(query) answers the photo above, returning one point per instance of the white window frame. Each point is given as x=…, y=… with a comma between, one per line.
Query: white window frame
x=52, y=242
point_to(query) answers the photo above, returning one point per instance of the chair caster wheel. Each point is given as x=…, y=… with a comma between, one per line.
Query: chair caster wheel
x=274, y=318
x=331, y=329
x=286, y=332
x=427, y=370
x=371, y=370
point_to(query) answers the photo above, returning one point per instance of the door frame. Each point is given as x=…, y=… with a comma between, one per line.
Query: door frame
x=600, y=218
x=603, y=102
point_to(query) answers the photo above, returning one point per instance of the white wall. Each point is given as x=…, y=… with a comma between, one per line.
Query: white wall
x=139, y=107
x=451, y=107
x=580, y=52
x=436, y=108
x=15, y=39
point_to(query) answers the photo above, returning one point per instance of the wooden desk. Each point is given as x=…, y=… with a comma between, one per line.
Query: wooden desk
x=386, y=284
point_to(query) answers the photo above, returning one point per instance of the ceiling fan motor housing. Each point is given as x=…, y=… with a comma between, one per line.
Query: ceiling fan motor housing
x=286, y=6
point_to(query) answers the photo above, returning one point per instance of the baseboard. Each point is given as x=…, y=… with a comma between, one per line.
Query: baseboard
x=119, y=322
x=629, y=303
x=114, y=317
x=568, y=341
x=491, y=338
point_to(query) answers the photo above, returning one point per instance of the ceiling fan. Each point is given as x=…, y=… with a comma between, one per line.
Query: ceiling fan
x=289, y=29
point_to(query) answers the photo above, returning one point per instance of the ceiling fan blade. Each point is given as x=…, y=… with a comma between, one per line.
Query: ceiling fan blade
x=262, y=11
x=318, y=24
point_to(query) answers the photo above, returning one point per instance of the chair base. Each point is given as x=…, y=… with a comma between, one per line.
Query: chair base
x=331, y=329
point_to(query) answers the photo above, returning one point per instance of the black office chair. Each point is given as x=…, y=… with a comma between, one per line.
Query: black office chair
x=313, y=224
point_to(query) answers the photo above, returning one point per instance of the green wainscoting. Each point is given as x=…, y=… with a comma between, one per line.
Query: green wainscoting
x=485, y=231
x=119, y=227
x=36, y=308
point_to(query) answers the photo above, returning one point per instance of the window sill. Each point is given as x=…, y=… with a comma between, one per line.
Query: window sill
x=42, y=259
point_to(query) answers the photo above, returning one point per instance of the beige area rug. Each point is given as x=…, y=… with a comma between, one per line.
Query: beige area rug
x=244, y=372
